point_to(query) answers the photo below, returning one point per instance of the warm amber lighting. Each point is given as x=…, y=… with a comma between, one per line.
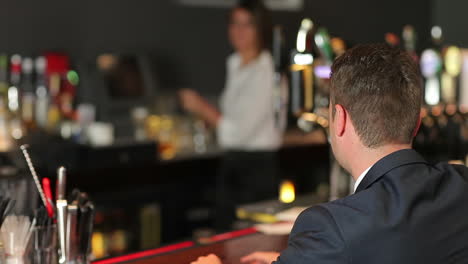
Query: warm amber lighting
x=456, y=162
x=311, y=117
x=287, y=192
x=314, y=118
x=308, y=75
x=451, y=109
x=322, y=121
x=436, y=111
x=167, y=151
x=453, y=61
x=423, y=112
x=98, y=245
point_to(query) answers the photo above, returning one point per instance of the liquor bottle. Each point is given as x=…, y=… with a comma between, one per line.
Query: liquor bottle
x=27, y=95
x=54, y=115
x=433, y=120
x=452, y=68
x=67, y=94
x=150, y=226
x=431, y=66
x=5, y=137
x=322, y=72
x=441, y=142
x=302, y=79
x=409, y=39
x=42, y=93
x=453, y=63
x=455, y=125
x=15, y=77
x=6, y=142
x=437, y=37
x=16, y=125
x=3, y=76
x=322, y=42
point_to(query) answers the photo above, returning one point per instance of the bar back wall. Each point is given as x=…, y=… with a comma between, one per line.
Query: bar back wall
x=188, y=44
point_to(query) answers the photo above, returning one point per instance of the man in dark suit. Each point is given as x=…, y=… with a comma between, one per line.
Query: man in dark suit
x=404, y=209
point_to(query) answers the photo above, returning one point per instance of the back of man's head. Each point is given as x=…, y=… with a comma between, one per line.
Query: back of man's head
x=381, y=88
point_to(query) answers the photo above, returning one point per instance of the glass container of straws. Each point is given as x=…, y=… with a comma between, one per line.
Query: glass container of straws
x=44, y=244
x=15, y=233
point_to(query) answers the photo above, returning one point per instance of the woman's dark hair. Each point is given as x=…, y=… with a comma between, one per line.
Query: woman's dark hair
x=261, y=19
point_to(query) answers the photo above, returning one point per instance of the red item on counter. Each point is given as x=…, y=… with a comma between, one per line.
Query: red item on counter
x=48, y=195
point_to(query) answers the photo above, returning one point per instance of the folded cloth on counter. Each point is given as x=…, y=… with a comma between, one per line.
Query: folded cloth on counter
x=291, y=214
x=280, y=228
x=284, y=227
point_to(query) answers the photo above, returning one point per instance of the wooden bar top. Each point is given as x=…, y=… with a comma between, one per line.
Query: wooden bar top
x=229, y=248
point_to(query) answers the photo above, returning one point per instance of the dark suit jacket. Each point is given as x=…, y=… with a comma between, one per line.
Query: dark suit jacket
x=404, y=211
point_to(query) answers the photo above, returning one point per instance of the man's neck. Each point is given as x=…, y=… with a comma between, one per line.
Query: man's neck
x=369, y=156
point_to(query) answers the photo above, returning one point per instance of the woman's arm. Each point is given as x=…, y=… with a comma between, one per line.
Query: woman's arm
x=194, y=103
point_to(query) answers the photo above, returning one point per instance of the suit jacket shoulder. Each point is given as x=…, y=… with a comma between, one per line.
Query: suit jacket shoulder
x=405, y=211
x=315, y=238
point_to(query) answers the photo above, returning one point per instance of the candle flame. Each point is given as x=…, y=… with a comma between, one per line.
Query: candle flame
x=287, y=192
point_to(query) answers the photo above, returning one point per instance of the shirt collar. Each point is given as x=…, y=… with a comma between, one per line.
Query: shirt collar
x=385, y=165
x=361, y=177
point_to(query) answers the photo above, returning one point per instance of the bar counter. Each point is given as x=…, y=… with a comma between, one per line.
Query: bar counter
x=230, y=247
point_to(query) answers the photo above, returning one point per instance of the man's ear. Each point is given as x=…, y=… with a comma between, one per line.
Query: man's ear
x=340, y=120
x=418, y=125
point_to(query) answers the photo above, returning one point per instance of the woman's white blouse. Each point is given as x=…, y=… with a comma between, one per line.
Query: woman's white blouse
x=247, y=106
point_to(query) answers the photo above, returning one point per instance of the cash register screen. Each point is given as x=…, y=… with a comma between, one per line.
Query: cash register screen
x=122, y=75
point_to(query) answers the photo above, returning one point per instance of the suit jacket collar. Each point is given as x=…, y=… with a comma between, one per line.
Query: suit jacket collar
x=388, y=163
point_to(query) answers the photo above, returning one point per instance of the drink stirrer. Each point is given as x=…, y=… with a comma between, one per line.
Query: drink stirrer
x=24, y=149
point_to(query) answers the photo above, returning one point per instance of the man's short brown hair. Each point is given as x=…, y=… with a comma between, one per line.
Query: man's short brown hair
x=381, y=88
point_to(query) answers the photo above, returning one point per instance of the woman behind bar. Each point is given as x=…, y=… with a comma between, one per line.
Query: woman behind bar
x=245, y=124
